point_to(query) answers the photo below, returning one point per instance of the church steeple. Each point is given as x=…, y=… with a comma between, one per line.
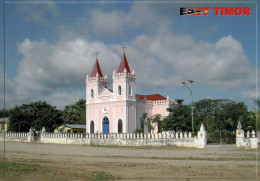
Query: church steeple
x=96, y=70
x=123, y=65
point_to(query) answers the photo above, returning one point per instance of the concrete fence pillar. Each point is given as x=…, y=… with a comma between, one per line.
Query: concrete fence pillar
x=253, y=140
x=202, y=137
x=31, y=135
x=239, y=136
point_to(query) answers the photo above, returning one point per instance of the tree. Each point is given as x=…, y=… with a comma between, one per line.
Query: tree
x=148, y=122
x=223, y=114
x=35, y=115
x=75, y=113
x=158, y=120
x=5, y=112
x=178, y=119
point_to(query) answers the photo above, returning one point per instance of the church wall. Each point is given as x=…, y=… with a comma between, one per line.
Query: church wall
x=160, y=109
x=122, y=83
x=131, y=117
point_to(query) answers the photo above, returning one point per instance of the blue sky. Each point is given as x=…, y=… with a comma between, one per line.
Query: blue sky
x=50, y=48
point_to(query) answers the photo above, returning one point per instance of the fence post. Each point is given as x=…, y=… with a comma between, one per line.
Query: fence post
x=42, y=135
x=31, y=135
x=239, y=136
x=253, y=140
x=202, y=137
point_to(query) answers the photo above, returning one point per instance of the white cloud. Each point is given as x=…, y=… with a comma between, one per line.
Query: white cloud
x=40, y=13
x=60, y=98
x=107, y=24
x=161, y=59
x=166, y=59
x=52, y=71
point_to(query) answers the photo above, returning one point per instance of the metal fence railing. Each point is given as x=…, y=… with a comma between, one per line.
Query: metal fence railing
x=221, y=136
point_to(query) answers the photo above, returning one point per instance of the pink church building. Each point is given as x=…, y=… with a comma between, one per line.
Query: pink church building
x=119, y=110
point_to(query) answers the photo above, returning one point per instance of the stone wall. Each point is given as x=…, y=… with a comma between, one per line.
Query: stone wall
x=248, y=141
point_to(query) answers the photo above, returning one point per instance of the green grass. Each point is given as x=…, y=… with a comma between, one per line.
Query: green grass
x=17, y=168
x=102, y=176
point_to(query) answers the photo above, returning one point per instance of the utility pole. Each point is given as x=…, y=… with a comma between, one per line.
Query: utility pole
x=190, y=89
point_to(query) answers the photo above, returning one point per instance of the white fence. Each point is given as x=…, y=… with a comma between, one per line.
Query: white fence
x=247, y=140
x=180, y=139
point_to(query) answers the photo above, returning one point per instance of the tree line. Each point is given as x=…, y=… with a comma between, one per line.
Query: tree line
x=38, y=114
x=215, y=114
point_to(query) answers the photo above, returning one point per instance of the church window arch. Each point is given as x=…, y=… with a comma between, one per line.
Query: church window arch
x=120, y=126
x=119, y=90
x=92, y=127
x=92, y=93
x=130, y=91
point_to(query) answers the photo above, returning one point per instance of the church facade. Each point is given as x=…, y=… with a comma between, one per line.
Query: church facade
x=119, y=110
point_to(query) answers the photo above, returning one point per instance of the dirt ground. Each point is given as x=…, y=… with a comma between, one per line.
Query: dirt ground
x=67, y=162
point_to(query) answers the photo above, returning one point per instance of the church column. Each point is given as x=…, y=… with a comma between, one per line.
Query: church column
x=87, y=120
x=114, y=119
x=135, y=115
x=124, y=90
x=127, y=118
x=96, y=120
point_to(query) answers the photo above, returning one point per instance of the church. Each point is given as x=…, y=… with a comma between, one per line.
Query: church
x=119, y=110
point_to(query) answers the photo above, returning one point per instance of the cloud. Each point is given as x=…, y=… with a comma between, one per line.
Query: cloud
x=167, y=59
x=60, y=98
x=55, y=72
x=39, y=13
x=107, y=24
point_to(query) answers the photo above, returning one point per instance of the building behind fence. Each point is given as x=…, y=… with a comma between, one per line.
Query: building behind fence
x=179, y=139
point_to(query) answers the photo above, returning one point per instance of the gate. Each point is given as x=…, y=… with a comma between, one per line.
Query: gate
x=221, y=136
x=37, y=136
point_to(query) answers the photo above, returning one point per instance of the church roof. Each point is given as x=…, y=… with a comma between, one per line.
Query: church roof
x=79, y=126
x=96, y=69
x=123, y=65
x=152, y=97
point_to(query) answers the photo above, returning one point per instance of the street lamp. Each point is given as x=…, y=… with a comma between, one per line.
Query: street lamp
x=190, y=89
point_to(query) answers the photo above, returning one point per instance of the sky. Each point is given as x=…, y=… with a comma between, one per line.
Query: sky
x=51, y=47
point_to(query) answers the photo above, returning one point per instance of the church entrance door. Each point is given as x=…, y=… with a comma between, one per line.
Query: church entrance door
x=105, y=125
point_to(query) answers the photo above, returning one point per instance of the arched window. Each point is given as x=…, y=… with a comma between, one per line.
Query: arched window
x=92, y=127
x=92, y=93
x=119, y=90
x=120, y=126
x=130, y=90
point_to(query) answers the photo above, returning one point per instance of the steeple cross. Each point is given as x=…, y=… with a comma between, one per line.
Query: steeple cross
x=96, y=55
x=123, y=48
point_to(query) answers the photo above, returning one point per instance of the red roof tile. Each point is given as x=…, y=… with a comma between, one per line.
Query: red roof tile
x=110, y=90
x=152, y=97
x=96, y=69
x=123, y=65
